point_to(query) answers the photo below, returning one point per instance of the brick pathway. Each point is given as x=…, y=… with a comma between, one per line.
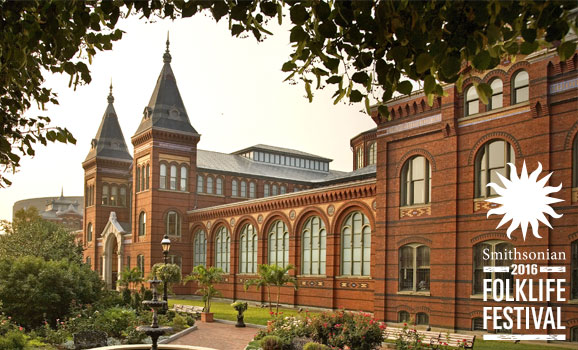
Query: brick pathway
x=218, y=336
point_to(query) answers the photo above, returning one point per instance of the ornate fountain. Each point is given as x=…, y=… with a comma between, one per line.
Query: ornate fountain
x=154, y=330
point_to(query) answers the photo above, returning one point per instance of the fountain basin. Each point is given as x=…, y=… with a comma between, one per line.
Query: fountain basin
x=148, y=346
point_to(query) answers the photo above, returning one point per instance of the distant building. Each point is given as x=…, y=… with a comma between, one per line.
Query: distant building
x=63, y=210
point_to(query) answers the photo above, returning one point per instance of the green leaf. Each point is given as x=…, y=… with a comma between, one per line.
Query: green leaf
x=269, y=8
x=529, y=34
x=429, y=84
x=484, y=92
x=423, y=63
x=450, y=66
x=355, y=96
x=237, y=29
x=367, y=106
x=493, y=34
x=397, y=53
x=336, y=79
x=297, y=35
x=328, y=29
x=308, y=90
x=288, y=66
x=405, y=87
x=566, y=50
x=220, y=8
x=527, y=48
x=332, y=64
x=482, y=60
x=512, y=48
x=383, y=111
x=298, y=14
x=360, y=77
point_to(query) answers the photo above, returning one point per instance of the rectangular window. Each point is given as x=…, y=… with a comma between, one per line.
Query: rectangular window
x=266, y=157
x=199, y=184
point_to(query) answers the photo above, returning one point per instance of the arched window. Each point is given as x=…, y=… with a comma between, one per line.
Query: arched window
x=283, y=189
x=355, y=245
x=520, y=87
x=491, y=160
x=199, y=184
x=497, y=100
x=163, y=177
x=266, y=190
x=105, y=194
x=574, y=264
x=252, y=190
x=403, y=316
x=89, y=232
x=243, y=189
x=138, y=179
x=414, y=268
x=248, y=250
x=209, y=185
x=415, y=181
x=575, y=163
x=274, y=190
x=478, y=324
x=421, y=318
x=173, y=223
x=122, y=197
x=113, y=195
x=200, y=249
x=140, y=264
x=359, y=157
x=279, y=244
x=142, y=224
x=481, y=252
x=472, y=103
x=219, y=186
x=223, y=249
x=372, y=154
x=313, y=241
x=173, y=181
x=148, y=175
x=184, y=178
x=234, y=192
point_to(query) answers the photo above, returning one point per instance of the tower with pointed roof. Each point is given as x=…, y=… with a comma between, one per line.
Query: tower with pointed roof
x=165, y=157
x=107, y=186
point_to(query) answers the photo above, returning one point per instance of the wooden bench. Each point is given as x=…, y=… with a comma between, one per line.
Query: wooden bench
x=189, y=309
x=435, y=339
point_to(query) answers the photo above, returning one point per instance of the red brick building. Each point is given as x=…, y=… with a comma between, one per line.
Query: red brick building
x=400, y=236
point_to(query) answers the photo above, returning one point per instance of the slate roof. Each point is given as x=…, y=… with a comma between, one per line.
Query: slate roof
x=166, y=110
x=282, y=150
x=233, y=163
x=109, y=140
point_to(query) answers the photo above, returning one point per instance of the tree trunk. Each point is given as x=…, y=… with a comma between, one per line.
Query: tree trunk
x=269, y=298
x=278, y=296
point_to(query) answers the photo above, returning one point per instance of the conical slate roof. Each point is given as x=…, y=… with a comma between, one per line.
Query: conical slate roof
x=166, y=110
x=109, y=141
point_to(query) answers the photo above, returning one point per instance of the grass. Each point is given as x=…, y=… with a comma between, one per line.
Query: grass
x=260, y=316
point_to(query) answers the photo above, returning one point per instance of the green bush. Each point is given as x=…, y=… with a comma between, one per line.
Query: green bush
x=13, y=340
x=179, y=323
x=133, y=336
x=315, y=346
x=340, y=329
x=115, y=321
x=272, y=342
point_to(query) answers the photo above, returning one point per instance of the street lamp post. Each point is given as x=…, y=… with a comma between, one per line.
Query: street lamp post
x=166, y=244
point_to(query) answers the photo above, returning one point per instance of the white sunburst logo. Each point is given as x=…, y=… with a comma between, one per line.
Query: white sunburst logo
x=524, y=200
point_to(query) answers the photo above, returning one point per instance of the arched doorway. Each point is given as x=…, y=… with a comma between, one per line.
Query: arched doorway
x=112, y=258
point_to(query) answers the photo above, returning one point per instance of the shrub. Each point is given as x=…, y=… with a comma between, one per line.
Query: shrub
x=272, y=342
x=13, y=340
x=179, y=323
x=315, y=346
x=115, y=321
x=133, y=336
x=354, y=330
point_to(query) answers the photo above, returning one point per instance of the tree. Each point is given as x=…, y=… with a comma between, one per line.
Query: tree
x=130, y=278
x=364, y=49
x=206, y=280
x=273, y=276
x=30, y=235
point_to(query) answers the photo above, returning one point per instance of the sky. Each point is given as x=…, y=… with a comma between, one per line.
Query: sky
x=232, y=88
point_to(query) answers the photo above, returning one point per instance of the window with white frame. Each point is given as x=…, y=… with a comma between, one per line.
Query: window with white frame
x=243, y=189
x=209, y=185
x=372, y=154
x=497, y=100
x=163, y=177
x=219, y=186
x=491, y=160
x=140, y=264
x=234, y=190
x=414, y=267
x=183, y=179
x=248, y=250
x=356, y=245
x=278, y=244
x=472, y=102
x=266, y=190
x=520, y=87
x=200, y=249
x=173, y=178
x=142, y=224
x=415, y=181
x=252, y=193
x=485, y=249
x=173, y=223
x=200, y=184
x=223, y=249
x=313, y=242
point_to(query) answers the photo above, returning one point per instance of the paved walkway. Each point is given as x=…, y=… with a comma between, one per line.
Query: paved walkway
x=219, y=336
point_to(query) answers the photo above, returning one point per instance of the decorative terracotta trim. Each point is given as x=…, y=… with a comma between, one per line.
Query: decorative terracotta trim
x=414, y=211
x=410, y=154
x=491, y=235
x=570, y=136
x=495, y=135
x=414, y=239
x=482, y=205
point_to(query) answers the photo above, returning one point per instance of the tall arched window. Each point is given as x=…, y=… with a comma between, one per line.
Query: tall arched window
x=219, y=186
x=200, y=249
x=209, y=185
x=520, y=87
x=89, y=232
x=142, y=224
x=313, y=242
x=575, y=163
x=234, y=191
x=104, y=194
x=223, y=249
x=574, y=264
x=491, y=160
x=163, y=177
x=122, y=196
x=355, y=245
x=252, y=190
x=142, y=178
x=414, y=268
x=274, y=190
x=243, y=189
x=173, y=180
x=138, y=179
x=184, y=178
x=359, y=157
x=113, y=195
x=140, y=264
x=278, y=244
x=248, y=250
x=497, y=100
x=282, y=189
x=415, y=181
x=199, y=184
x=472, y=103
x=148, y=175
x=372, y=154
x=173, y=224
x=266, y=190
x=481, y=252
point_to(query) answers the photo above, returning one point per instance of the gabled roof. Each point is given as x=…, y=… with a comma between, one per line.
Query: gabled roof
x=166, y=110
x=281, y=150
x=109, y=140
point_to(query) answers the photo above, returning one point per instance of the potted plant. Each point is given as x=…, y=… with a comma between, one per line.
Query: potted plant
x=241, y=307
x=206, y=279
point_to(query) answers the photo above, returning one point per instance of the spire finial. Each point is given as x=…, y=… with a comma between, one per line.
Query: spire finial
x=110, y=97
x=167, y=56
x=62, y=192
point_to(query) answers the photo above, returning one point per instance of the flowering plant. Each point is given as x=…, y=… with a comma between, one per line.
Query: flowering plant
x=240, y=306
